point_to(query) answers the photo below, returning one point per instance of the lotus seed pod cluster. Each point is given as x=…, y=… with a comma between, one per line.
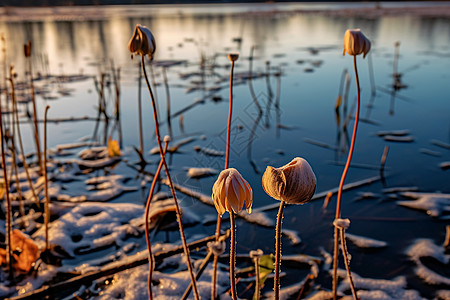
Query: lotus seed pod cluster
x=142, y=42
x=230, y=191
x=356, y=43
x=293, y=183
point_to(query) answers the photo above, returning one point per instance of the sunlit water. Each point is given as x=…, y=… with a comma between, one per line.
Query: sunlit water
x=307, y=50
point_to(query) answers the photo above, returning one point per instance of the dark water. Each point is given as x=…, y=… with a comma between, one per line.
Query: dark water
x=307, y=50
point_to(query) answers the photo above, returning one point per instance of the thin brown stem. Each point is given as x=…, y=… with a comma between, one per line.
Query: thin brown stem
x=335, y=262
x=227, y=162
x=230, y=111
x=19, y=137
x=347, y=263
x=344, y=174
x=13, y=149
x=141, y=137
x=276, y=281
x=216, y=260
x=166, y=168
x=47, y=198
x=233, y=256
x=8, y=200
x=257, y=281
x=151, y=263
x=36, y=127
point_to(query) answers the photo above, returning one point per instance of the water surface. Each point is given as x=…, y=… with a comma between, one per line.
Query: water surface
x=298, y=106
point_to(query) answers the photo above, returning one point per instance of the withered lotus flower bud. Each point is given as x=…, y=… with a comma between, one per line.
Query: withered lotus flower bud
x=230, y=191
x=142, y=42
x=233, y=56
x=356, y=43
x=293, y=183
x=27, y=49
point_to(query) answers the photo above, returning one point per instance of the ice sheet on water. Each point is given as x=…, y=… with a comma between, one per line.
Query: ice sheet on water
x=434, y=204
x=443, y=294
x=365, y=242
x=426, y=248
x=379, y=289
x=30, y=283
x=132, y=284
x=95, y=225
x=105, y=188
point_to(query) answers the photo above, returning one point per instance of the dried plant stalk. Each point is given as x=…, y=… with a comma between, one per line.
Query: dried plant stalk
x=166, y=168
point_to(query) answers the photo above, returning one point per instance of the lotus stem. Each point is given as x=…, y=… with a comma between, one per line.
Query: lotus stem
x=177, y=208
x=258, y=284
x=257, y=281
x=153, y=82
x=216, y=259
x=233, y=256
x=13, y=148
x=8, y=200
x=227, y=162
x=35, y=120
x=19, y=137
x=141, y=138
x=347, y=263
x=47, y=198
x=341, y=184
x=151, y=262
x=16, y=174
x=276, y=282
x=230, y=111
x=116, y=77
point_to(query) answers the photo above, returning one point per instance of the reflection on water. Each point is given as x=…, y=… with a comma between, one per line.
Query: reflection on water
x=288, y=77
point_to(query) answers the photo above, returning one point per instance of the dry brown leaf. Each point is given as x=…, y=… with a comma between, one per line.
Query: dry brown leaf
x=25, y=252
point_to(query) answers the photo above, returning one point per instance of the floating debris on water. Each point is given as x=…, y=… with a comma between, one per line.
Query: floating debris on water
x=430, y=152
x=367, y=195
x=401, y=139
x=400, y=189
x=445, y=165
x=440, y=144
x=175, y=146
x=394, y=132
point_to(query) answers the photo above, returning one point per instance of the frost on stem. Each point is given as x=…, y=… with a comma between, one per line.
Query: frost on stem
x=341, y=223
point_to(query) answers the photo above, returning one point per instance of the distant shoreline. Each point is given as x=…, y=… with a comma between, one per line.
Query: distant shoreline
x=368, y=10
x=51, y=3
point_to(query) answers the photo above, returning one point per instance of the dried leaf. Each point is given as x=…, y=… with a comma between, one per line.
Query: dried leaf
x=25, y=252
x=113, y=148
